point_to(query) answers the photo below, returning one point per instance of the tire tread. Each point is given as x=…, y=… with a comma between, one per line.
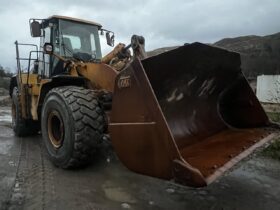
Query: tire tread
x=89, y=122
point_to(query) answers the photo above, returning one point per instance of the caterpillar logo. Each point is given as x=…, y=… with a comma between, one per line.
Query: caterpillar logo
x=124, y=82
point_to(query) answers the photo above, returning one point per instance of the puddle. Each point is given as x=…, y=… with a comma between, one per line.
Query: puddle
x=118, y=194
x=7, y=181
x=5, y=114
x=6, y=118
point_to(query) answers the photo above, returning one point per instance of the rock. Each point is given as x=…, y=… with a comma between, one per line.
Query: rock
x=170, y=190
x=151, y=203
x=125, y=205
x=202, y=192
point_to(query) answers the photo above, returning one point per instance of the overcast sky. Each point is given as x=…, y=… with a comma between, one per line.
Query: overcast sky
x=161, y=22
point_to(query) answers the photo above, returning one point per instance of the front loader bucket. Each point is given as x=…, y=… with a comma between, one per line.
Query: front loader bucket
x=188, y=114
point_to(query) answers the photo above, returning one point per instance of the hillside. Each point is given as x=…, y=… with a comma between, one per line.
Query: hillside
x=259, y=54
x=160, y=50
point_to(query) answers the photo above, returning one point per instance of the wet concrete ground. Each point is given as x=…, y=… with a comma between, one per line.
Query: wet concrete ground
x=29, y=181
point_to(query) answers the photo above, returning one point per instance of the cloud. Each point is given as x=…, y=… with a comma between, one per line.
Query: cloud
x=161, y=22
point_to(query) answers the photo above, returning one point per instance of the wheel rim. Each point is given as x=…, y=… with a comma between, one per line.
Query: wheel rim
x=55, y=129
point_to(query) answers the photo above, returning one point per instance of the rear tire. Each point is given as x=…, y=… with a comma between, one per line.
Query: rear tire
x=72, y=124
x=21, y=126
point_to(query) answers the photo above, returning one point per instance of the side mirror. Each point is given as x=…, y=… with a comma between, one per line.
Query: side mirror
x=48, y=48
x=35, y=28
x=110, y=39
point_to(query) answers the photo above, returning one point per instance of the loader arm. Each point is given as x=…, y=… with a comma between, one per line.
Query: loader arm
x=120, y=56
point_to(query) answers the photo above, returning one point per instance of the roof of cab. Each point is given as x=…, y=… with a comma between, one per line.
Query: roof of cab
x=76, y=20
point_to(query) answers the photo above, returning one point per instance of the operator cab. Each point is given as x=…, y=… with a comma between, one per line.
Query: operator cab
x=71, y=38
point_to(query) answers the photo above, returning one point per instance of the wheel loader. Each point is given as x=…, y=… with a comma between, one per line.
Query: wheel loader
x=186, y=115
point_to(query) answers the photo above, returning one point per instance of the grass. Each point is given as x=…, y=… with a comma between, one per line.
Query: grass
x=273, y=150
x=274, y=116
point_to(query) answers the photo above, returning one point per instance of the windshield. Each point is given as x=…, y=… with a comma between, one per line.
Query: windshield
x=79, y=38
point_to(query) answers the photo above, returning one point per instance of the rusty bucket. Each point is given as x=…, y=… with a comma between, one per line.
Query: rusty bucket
x=186, y=115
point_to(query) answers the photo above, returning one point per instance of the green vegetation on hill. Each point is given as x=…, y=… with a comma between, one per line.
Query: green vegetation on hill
x=4, y=78
x=274, y=116
x=259, y=54
x=273, y=150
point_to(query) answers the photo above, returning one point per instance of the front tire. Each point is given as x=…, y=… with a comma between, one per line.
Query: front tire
x=72, y=124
